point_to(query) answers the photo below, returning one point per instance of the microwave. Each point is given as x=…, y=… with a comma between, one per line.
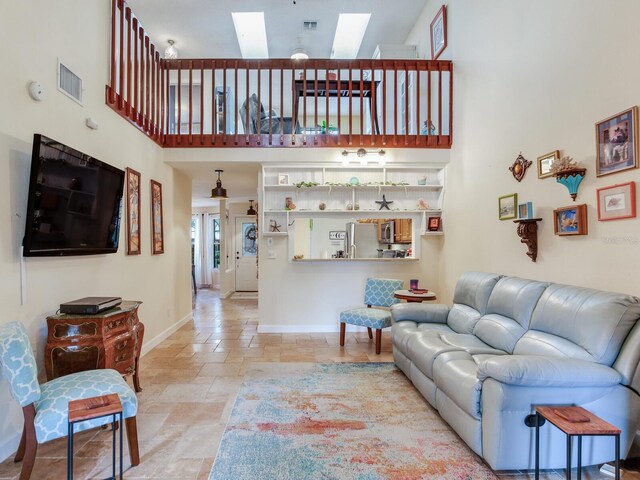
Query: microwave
x=387, y=232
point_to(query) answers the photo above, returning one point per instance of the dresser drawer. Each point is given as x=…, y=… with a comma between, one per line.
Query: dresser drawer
x=120, y=353
x=73, y=329
x=116, y=325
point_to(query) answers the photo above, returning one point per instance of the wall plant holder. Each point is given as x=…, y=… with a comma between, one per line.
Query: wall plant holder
x=528, y=233
x=571, y=179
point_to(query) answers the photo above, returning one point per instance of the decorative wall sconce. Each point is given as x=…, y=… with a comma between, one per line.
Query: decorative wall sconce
x=519, y=167
x=361, y=153
x=569, y=174
x=171, y=52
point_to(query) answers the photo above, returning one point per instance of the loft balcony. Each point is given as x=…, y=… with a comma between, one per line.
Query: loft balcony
x=222, y=103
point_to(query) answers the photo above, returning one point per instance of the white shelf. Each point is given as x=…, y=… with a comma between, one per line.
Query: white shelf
x=351, y=212
x=433, y=234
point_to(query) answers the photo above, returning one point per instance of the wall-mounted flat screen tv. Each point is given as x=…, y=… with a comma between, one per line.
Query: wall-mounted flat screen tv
x=74, y=202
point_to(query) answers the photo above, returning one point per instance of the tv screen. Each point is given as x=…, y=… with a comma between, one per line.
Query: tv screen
x=74, y=202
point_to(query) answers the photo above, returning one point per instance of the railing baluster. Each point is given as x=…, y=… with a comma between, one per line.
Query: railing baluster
x=179, y=106
x=417, y=93
x=224, y=102
x=373, y=101
x=350, y=103
x=338, y=92
x=395, y=104
x=128, y=100
x=136, y=74
x=190, y=102
x=260, y=103
x=293, y=121
x=294, y=101
x=152, y=67
x=247, y=130
x=121, y=55
x=315, y=98
x=202, y=102
x=270, y=104
x=235, y=94
x=428, y=105
x=406, y=104
x=450, y=104
x=361, y=103
x=304, y=103
x=326, y=113
x=167, y=97
x=147, y=93
x=161, y=136
x=384, y=105
x=439, y=105
x=112, y=89
x=142, y=79
x=214, y=109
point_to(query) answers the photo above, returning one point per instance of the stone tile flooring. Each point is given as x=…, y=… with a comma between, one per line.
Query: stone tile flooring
x=190, y=382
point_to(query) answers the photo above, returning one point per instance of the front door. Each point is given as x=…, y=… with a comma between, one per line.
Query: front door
x=246, y=254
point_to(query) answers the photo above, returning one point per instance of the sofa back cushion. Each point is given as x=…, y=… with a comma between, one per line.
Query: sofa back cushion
x=470, y=300
x=509, y=312
x=580, y=323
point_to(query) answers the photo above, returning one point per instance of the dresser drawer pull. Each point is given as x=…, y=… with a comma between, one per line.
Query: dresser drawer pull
x=120, y=358
x=122, y=345
x=114, y=324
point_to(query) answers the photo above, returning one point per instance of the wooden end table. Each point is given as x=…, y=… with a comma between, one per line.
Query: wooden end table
x=89, y=409
x=575, y=422
x=414, y=297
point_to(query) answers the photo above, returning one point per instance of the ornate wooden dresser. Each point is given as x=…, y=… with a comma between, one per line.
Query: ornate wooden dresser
x=110, y=339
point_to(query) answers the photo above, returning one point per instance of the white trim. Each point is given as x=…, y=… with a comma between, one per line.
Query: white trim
x=155, y=341
x=9, y=446
x=227, y=294
x=308, y=328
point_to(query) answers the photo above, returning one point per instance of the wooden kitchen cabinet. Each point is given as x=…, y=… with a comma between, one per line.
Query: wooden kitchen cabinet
x=110, y=339
x=402, y=227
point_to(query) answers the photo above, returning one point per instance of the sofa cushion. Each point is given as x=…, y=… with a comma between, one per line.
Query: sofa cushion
x=509, y=312
x=473, y=289
x=367, y=317
x=463, y=319
x=595, y=322
x=402, y=332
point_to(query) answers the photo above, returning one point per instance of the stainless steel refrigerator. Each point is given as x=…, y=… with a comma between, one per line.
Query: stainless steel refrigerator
x=361, y=240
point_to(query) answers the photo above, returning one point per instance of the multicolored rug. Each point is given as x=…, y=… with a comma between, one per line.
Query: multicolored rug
x=362, y=421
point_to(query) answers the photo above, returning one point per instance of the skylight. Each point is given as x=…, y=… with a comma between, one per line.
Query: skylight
x=349, y=34
x=251, y=33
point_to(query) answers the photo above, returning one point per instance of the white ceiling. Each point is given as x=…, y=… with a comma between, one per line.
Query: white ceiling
x=204, y=29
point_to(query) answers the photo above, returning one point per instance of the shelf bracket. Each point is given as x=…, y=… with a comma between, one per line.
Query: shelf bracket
x=528, y=233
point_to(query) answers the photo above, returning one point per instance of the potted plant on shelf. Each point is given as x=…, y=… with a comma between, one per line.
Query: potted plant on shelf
x=332, y=130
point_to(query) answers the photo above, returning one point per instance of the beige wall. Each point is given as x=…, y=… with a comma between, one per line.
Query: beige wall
x=35, y=34
x=533, y=77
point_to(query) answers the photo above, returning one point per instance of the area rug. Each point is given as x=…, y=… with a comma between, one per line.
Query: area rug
x=360, y=421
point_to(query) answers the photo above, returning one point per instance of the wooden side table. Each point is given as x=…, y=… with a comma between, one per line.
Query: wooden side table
x=409, y=296
x=89, y=409
x=575, y=422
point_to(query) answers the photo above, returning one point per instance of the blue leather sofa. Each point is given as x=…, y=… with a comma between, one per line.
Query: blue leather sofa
x=508, y=344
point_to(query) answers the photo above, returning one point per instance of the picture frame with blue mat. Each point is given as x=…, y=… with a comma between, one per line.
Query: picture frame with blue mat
x=617, y=143
x=570, y=221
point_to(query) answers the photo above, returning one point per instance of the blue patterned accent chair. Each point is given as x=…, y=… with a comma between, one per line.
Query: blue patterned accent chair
x=45, y=407
x=378, y=292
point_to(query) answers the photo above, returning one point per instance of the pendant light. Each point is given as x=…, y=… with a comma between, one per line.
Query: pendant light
x=251, y=211
x=171, y=52
x=219, y=192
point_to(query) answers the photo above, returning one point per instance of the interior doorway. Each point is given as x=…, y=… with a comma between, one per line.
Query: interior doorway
x=246, y=244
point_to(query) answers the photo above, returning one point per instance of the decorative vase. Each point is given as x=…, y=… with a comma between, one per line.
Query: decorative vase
x=322, y=206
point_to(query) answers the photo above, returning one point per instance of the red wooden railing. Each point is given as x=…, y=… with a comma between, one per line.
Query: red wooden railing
x=291, y=103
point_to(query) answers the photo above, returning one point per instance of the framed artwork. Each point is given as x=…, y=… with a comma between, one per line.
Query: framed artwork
x=525, y=211
x=507, y=206
x=283, y=179
x=439, y=33
x=133, y=212
x=434, y=224
x=157, y=233
x=617, y=143
x=570, y=220
x=617, y=201
x=545, y=162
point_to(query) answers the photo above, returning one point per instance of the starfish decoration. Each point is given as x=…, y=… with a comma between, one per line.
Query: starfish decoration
x=384, y=203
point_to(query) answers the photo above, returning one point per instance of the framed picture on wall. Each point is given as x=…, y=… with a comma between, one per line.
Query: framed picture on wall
x=617, y=143
x=434, y=224
x=570, y=220
x=617, y=201
x=439, y=33
x=157, y=233
x=133, y=212
x=507, y=206
x=283, y=179
x=545, y=163
x=525, y=211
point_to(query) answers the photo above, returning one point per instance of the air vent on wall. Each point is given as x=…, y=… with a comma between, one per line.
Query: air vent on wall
x=310, y=25
x=69, y=83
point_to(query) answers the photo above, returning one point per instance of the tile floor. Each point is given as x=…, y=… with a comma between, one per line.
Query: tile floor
x=189, y=385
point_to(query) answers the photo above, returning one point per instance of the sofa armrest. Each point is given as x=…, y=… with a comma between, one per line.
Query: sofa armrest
x=539, y=371
x=420, y=313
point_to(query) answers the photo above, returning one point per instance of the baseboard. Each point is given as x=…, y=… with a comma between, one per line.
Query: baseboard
x=9, y=446
x=155, y=341
x=226, y=294
x=307, y=328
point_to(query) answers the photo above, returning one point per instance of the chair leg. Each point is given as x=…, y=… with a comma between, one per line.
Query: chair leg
x=23, y=442
x=132, y=440
x=343, y=327
x=378, y=340
x=30, y=442
x=370, y=333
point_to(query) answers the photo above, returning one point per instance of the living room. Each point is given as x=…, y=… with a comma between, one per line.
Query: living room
x=530, y=78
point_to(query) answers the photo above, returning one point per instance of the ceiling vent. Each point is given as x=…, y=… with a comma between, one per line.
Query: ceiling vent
x=69, y=83
x=310, y=25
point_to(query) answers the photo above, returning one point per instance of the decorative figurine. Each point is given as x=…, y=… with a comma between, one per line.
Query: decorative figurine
x=519, y=167
x=422, y=205
x=384, y=203
x=356, y=206
x=322, y=206
x=349, y=206
x=273, y=226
